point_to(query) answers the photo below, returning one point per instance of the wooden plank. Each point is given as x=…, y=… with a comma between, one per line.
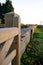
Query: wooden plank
x=5, y=49
x=9, y=58
x=7, y=33
x=16, y=23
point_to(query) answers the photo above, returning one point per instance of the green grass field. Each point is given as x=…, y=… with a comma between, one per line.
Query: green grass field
x=33, y=54
x=0, y=20
x=38, y=35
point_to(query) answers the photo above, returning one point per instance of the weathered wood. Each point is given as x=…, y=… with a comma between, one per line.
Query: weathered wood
x=16, y=23
x=9, y=19
x=9, y=58
x=25, y=39
x=7, y=33
x=5, y=49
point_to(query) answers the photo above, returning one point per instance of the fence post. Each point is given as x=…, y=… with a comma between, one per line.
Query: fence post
x=13, y=20
x=16, y=23
x=9, y=19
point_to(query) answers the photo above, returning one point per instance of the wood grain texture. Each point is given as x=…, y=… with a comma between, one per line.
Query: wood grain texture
x=7, y=33
x=9, y=58
x=5, y=49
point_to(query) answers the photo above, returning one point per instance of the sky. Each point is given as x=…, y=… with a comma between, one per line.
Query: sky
x=30, y=11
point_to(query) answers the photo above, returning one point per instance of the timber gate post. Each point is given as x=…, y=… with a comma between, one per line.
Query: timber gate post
x=16, y=23
x=13, y=20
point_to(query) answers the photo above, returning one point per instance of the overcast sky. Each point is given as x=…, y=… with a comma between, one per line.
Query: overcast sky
x=30, y=11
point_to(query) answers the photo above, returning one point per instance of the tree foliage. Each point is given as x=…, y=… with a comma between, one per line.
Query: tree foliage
x=5, y=8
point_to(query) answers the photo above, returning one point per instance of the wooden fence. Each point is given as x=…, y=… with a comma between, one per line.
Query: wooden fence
x=13, y=40
x=7, y=36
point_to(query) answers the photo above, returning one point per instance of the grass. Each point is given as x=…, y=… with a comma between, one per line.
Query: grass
x=0, y=21
x=33, y=54
x=39, y=36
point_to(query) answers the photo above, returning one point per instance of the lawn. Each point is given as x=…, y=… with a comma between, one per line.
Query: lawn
x=33, y=54
x=38, y=35
x=0, y=20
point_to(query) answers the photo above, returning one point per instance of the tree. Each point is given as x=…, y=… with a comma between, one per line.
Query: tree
x=0, y=8
x=5, y=8
x=9, y=7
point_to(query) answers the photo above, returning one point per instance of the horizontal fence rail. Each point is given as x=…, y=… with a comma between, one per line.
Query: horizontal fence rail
x=6, y=37
x=7, y=33
x=25, y=39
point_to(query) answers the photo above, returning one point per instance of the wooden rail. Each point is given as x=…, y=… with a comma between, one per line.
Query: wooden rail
x=25, y=39
x=7, y=33
x=7, y=36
